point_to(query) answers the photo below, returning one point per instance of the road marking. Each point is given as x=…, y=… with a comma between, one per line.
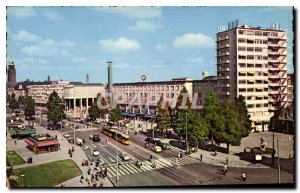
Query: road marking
x=122, y=168
x=111, y=159
x=103, y=145
x=102, y=162
x=110, y=172
x=133, y=168
x=93, y=145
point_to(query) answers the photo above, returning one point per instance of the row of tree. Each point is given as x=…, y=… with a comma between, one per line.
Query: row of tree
x=25, y=102
x=223, y=122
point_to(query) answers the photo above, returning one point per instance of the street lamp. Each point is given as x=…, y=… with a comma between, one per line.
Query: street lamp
x=186, y=134
x=117, y=175
x=152, y=127
x=22, y=176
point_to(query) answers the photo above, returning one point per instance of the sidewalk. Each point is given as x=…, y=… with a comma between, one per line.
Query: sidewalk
x=62, y=154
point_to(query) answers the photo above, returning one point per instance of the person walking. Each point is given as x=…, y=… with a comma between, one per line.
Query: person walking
x=227, y=161
x=201, y=157
x=150, y=158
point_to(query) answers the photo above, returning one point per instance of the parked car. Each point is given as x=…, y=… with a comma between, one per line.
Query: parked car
x=79, y=141
x=152, y=140
x=156, y=149
x=124, y=157
x=71, y=140
x=166, y=146
x=66, y=135
x=96, y=152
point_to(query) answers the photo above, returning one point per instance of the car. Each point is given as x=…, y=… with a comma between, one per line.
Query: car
x=95, y=152
x=66, y=135
x=79, y=141
x=124, y=157
x=29, y=118
x=71, y=140
x=156, y=149
x=95, y=138
x=166, y=146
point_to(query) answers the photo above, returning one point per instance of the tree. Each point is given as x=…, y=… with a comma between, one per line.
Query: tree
x=13, y=103
x=212, y=114
x=197, y=129
x=163, y=116
x=116, y=114
x=178, y=121
x=243, y=115
x=231, y=132
x=55, y=108
x=22, y=100
x=94, y=112
x=29, y=106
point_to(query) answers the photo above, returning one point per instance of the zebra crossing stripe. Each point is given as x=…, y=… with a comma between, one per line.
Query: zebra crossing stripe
x=146, y=166
x=110, y=172
x=160, y=164
x=166, y=162
x=119, y=171
x=133, y=167
x=122, y=167
x=129, y=169
x=143, y=168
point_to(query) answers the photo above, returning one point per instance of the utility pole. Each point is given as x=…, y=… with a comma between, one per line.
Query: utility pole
x=186, y=134
x=117, y=175
x=278, y=161
x=273, y=152
x=152, y=128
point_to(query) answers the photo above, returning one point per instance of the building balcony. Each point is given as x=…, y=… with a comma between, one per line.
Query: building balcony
x=223, y=46
x=273, y=52
x=223, y=54
x=271, y=92
x=223, y=69
x=222, y=38
x=273, y=44
x=273, y=60
x=223, y=62
x=225, y=93
x=277, y=76
x=223, y=77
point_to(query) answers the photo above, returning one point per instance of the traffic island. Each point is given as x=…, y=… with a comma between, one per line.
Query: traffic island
x=13, y=159
x=46, y=175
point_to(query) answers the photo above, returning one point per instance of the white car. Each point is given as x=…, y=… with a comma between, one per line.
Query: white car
x=125, y=157
x=96, y=152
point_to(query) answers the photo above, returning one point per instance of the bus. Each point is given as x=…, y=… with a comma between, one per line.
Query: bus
x=116, y=135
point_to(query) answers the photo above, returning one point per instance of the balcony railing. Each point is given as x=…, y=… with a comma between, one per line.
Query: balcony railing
x=224, y=77
x=223, y=46
x=223, y=38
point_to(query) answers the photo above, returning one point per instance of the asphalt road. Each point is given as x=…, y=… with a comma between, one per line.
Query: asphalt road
x=189, y=172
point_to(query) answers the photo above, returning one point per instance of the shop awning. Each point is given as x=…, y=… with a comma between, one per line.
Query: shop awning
x=28, y=141
x=47, y=143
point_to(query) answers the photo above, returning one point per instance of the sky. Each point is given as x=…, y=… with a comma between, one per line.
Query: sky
x=159, y=42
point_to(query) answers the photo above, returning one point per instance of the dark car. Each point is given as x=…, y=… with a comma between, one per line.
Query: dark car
x=54, y=127
x=152, y=140
x=166, y=146
x=95, y=138
x=29, y=118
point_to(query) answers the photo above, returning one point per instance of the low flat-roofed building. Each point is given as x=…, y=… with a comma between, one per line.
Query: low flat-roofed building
x=21, y=132
x=42, y=143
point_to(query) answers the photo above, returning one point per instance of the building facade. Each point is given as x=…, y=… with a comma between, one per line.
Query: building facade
x=81, y=96
x=40, y=91
x=144, y=95
x=203, y=87
x=253, y=62
x=290, y=89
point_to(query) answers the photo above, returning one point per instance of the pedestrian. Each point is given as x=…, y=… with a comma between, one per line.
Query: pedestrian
x=95, y=184
x=227, y=161
x=81, y=178
x=15, y=141
x=101, y=184
x=89, y=183
x=71, y=154
x=93, y=176
x=201, y=157
x=82, y=163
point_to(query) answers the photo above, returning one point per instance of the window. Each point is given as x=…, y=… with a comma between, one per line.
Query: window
x=258, y=49
x=250, y=90
x=242, y=81
x=149, y=88
x=162, y=88
x=265, y=41
x=242, y=48
x=242, y=90
x=250, y=57
x=274, y=34
x=250, y=106
x=241, y=32
x=258, y=57
x=177, y=88
x=153, y=88
x=205, y=87
x=242, y=65
x=250, y=65
x=258, y=33
x=242, y=40
x=265, y=58
x=266, y=33
x=258, y=65
x=250, y=32
x=172, y=88
x=200, y=87
x=157, y=88
x=257, y=41
x=250, y=49
x=242, y=57
x=167, y=88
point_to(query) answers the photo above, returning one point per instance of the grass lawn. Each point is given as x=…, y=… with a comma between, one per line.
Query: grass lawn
x=49, y=174
x=14, y=159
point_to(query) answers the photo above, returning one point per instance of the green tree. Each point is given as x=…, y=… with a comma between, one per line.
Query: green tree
x=163, y=116
x=231, y=132
x=243, y=115
x=116, y=115
x=13, y=103
x=197, y=129
x=22, y=100
x=178, y=121
x=29, y=106
x=55, y=108
x=212, y=115
x=94, y=112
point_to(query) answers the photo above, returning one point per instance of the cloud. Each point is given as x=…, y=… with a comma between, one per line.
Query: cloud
x=133, y=12
x=197, y=60
x=160, y=47
x=78, y=59
x=143, y=25
x=49, y=47
x=51, y=15
x=24, y=36
x=121, y=44
x=21, y=12
x=29, y=62
x=193, y=40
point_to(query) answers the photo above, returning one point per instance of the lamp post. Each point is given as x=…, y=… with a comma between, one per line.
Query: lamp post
x=278, y=161
x=22, y=176
x=186, y=134
x=152, y=127
x=117, y=174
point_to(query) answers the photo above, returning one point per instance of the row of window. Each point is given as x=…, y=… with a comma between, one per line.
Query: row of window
x=252, y=57
x=241, y=90
x=257, y=105
x=205, y=87
x=252, y=82
x=250, y=49
x=149, y=88
x=251, y=65
x=257, y=73
x=257, y=33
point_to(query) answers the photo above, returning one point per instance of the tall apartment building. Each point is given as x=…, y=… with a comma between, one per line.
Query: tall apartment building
x=252, y=62
x=11, y=73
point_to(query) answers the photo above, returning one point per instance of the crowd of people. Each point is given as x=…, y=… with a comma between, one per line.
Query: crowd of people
x=93, y=175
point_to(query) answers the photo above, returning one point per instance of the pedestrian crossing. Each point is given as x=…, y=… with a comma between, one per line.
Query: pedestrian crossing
x=131, y=168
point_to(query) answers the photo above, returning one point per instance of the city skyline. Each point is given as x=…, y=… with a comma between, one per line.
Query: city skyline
x=143, y=40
